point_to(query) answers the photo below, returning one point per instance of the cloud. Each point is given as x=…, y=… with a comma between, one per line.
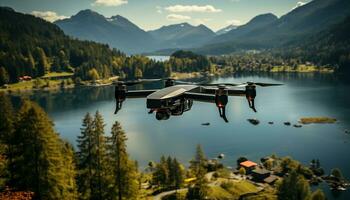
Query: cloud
x=159, y=9
x=299, y=3
x=175, y=17
x=235, y=22
x=48, y=15
x=193, y=8
x=109, y=2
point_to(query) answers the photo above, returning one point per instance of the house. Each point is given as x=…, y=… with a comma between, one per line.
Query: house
x=271, y=179
x=25, y=78
x=248, y=166
x=259, y=174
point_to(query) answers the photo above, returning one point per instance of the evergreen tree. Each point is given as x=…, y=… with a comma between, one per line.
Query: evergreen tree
x=7, y=120
x=3, y=167
x=200, y=188
x=179, y=174
x=294, y=187
x=43, y=64
x=39, y=163
x=31, y=65
x=199, y=160
x=100, y=154
x=85, y=159
x=4, y=76
x=318, y=195
x=171, y=175
x=70, y=173
x=125, y=174
x=161, y=173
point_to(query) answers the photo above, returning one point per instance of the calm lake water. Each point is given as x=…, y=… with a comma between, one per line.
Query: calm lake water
x=302, y=95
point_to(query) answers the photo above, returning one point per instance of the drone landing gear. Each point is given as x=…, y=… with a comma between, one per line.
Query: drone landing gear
x=120, y=96
x=221, y=99
x=250, y=95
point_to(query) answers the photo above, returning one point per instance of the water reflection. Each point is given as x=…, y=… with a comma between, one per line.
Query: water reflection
x=302, y=95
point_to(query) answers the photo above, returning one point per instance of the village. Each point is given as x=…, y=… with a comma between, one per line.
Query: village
x=251, y=180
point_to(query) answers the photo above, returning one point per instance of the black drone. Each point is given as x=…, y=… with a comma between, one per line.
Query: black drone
x=177, y=96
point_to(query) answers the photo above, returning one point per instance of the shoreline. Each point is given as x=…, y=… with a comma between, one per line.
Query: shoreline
x=28, y=88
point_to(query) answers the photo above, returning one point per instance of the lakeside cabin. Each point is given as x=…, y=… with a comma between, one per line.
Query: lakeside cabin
x=25, y=78
x=258, y=174
x=248, y=165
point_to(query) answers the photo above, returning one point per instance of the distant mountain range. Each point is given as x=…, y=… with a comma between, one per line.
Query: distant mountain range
x=262, y=32
x=120, y=33
x=268, y=31
x=116, y=31
x=182, y=35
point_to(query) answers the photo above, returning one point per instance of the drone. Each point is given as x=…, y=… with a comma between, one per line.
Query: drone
x=177, y=96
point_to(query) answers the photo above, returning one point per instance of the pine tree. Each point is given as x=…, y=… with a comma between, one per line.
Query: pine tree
x=294, y=187
x=31, y=65
x=125, y=174
x=85, y=159
x=171, y=169
x=318, y=195
x=7, y=120
x=200, y=189
x=39, y=164
x=43, y=64
x=92, y=159
x=4, y=76
x=161, y=173
x=178, y=173
x=199, y=160
x=100, y=154
x=70, y=173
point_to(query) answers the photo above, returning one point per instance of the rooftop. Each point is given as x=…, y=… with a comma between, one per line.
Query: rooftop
x=248, y=164
x=261, y=171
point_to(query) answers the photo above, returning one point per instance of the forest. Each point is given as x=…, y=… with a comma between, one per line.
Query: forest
x=35, y=163
x=34, y=47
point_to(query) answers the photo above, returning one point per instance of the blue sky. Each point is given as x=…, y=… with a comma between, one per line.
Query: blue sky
x=152, y=14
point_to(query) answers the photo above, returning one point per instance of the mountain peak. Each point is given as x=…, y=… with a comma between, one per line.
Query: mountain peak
x=118, y=17
x=87, y=13
x=264, y=17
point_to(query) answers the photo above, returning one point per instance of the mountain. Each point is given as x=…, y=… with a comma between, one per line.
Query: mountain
x=116, y=31
x=304, y=21
x=329, y=47
x=226, y=29
x=254, y=24
x=182, y=35
x=33, y=47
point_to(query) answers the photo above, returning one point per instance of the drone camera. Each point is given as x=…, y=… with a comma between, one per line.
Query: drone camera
x=169, y=83
x=162, y=115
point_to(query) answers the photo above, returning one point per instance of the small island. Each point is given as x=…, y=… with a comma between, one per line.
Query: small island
x=317, y=120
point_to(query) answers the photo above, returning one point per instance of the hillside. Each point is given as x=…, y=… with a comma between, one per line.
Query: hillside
x=116, y=31
x=31, y=46
x=304, y=21
x=226, y=29
x=331, y=46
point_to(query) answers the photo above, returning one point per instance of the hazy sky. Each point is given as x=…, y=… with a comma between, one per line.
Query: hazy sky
x=152, y=14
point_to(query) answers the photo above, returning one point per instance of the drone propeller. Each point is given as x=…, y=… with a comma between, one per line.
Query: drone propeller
x=241, y=85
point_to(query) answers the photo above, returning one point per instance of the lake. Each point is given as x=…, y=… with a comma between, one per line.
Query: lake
x=302, y=95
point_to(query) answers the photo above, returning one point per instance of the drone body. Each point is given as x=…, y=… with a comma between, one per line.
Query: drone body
x=174, y=100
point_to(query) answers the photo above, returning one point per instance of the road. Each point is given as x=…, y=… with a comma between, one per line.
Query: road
x=208, y=176
x=163, y=194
